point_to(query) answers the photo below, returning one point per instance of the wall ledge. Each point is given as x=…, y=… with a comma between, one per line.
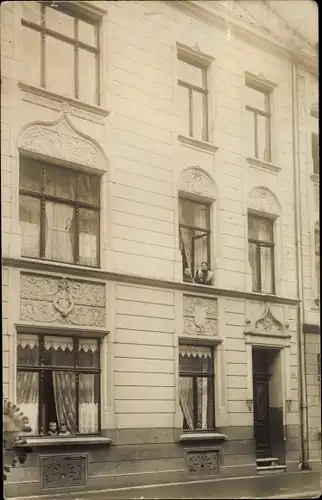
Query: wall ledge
x=202, y=436
x=41, y=266
x=195, y=143
x=36, y=442
x=264, y=165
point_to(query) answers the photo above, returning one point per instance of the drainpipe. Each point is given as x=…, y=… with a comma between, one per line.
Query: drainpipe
x=299, y=268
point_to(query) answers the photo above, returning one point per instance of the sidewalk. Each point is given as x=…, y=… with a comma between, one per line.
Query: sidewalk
x=304, y=484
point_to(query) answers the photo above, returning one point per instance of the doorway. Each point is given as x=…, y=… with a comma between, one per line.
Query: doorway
x=261, y=391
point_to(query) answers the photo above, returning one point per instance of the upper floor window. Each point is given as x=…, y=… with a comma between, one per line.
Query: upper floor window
x=259, y=121
x=59, y=213
x=58, y=384
x=315, y=142
x=61, y=50
x=193, y=98
x=196, y=387
x=195, y=234
x=261, y=253
x=317, y=255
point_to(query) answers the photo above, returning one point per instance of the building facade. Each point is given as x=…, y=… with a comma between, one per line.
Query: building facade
x=142, y=142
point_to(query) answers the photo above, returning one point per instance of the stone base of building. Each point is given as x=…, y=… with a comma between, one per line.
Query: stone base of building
x=136, y=458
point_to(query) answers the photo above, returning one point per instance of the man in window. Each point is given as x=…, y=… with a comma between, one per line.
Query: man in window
x=187, y=277
x=203, y=275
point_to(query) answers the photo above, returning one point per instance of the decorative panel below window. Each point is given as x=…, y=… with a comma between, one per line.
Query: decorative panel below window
x=58, y=471
x=202, y=462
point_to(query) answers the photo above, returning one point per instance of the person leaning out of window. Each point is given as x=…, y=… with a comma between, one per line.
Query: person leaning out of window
x=203, y=275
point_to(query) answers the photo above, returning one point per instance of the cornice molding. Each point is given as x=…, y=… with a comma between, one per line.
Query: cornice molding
x=98, y=274
x=221, y=19
x=263, y=165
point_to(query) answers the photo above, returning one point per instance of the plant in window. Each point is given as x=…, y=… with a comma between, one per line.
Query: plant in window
x=15, y=426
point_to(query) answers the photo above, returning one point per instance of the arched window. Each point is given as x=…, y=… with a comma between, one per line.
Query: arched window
x=263, y=212
x=196, y=194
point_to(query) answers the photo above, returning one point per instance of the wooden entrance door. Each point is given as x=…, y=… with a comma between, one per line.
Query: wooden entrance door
x=261, y=415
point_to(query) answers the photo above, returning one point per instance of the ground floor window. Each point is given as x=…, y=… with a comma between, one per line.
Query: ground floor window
x=196, y=387
x=58, y=384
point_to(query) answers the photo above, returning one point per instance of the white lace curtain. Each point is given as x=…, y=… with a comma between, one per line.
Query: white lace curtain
x=186, y=388
x=59, y=230
x=88, y=404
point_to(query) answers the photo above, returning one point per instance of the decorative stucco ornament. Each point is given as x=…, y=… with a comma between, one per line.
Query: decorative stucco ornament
x=64, y=302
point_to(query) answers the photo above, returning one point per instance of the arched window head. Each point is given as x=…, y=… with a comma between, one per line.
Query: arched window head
x=196, y=193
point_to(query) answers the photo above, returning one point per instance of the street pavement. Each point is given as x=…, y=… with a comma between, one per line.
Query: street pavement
x=301, y=484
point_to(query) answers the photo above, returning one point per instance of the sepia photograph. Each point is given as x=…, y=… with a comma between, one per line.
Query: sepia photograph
x=160, y=244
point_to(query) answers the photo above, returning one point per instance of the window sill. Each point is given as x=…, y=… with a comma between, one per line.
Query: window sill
x=263, y=165
x=44, y=97
x=62, y=441
x=315, y=178
x=202, y=436
x=195, y=143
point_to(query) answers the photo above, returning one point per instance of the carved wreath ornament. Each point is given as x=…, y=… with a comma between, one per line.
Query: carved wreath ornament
x=64, y=302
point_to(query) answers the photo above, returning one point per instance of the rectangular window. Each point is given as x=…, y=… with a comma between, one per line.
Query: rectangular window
x=194, y=234
x=315, y=153
x=58, y=380
x=59, y=213
x=259, y=121
x=261, y=253
x=193, y=97
x=317, y=256
x=65, y=50
x=196, y=387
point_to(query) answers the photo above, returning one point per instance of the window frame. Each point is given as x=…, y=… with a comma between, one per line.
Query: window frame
x=41, y=368
x=315, y=154
x=76, y=204
x=259, y=244
x=70, y=10
x=184, y=342
x=317, y=255
x=268, y=119
x=198, y=63
x=207, y=232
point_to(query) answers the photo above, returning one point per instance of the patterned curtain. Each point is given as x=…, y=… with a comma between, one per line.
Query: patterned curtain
x=28, y=397
x=65, y=398
x=186, y=399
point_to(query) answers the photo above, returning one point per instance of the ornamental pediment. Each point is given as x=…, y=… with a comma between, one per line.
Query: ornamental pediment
x=62, y=141
x=267, y=323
